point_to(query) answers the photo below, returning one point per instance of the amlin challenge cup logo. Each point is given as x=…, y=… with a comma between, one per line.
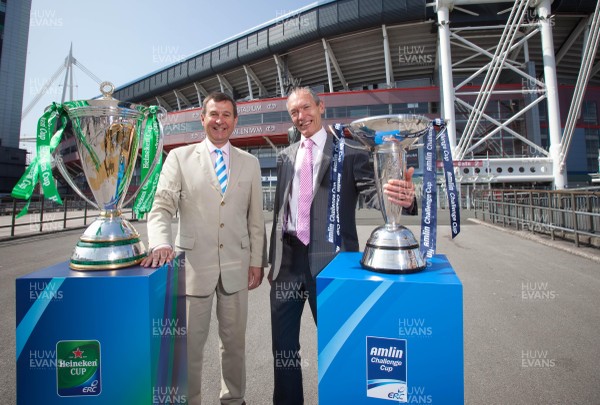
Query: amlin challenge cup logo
x=78, y=368
x=386, y=369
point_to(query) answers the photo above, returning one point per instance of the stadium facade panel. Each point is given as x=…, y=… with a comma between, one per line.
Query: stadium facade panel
x=370, y=57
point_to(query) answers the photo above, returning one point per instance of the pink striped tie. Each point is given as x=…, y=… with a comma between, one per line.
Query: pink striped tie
x=305, y=193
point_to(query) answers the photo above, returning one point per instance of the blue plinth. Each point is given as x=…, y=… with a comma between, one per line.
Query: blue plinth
x=102, y=337
x=389, y=337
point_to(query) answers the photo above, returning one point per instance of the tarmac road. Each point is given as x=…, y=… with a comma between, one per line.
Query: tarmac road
x=523, y=299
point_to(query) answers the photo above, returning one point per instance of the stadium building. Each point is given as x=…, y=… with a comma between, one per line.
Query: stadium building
x=14, y=32
x=516, y=81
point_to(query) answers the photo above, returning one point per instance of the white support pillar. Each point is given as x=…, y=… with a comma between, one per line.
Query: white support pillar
x=71, y=86
x=389, y=73
x=250, y=93
x=178, y=102
x=183, y=98
x=161, y=101
x=443, y=14
x=225, y=85
x=554, y=125
x=69, y=73
x=328, y=66
x=200, y=91
x=330, y=60
x=262, y=90
x=278, y=63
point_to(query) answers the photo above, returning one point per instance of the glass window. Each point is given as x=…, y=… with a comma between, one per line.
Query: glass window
x=266, y=152
x=590, y=112
x=401, y=108
x=278, y=116
x=380, y=109
x=543, y=110
x=182, y=127
x=335, y=112
x=358, y=111
x=251, y=119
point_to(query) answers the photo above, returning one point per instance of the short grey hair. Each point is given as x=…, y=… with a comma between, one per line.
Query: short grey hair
x=297, y=90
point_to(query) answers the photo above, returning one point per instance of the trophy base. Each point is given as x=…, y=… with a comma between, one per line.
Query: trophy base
x=109, y=243
x=393, y=250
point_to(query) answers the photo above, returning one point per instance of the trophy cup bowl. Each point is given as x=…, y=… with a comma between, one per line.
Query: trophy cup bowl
x=391, y=248
x=108, y=134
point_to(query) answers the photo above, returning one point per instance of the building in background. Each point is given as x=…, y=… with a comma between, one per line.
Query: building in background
x=14, y=32
x=375, y=57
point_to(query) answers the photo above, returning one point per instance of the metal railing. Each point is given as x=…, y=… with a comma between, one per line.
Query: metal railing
x=569, y=215
x=46, y=216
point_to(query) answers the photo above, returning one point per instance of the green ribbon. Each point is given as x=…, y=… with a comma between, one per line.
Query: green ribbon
x=40, y=168
x=150, y=144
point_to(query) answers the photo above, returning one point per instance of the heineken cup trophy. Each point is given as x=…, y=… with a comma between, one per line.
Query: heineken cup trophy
x=109, y=135
x=392, y=248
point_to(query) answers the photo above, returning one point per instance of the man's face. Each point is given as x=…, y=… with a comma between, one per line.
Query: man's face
x=218, y=121
x=305, y=113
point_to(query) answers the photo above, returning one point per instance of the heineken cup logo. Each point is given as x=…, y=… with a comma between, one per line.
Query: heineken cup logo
x=78, y=368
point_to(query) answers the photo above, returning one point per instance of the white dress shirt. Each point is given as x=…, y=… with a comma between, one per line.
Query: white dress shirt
x=213, y=155
x=319, y=139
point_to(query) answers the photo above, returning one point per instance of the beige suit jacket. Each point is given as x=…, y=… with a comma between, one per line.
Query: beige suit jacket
x=221, y=235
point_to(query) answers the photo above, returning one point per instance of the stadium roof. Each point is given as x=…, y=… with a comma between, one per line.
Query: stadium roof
x=350, y=33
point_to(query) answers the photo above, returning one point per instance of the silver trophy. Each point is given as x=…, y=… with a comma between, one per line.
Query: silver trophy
x=108, y=135
x=391, y=248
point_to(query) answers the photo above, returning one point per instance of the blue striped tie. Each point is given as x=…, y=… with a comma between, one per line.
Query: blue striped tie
x=221, y=170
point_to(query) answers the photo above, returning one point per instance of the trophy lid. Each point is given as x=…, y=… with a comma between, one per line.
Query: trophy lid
x=104, y=106
x=402, y=128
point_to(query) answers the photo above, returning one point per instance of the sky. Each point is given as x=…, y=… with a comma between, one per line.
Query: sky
x=123, y=40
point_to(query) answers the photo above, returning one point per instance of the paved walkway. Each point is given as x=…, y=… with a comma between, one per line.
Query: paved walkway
x=531, y=317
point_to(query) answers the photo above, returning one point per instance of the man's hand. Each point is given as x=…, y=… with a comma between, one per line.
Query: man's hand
x=401, y=192
x=255, y=276
x=158, y=257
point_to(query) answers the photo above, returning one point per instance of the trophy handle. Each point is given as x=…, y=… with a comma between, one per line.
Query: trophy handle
x=159, y=151
x=65, y=173
x=363, y=146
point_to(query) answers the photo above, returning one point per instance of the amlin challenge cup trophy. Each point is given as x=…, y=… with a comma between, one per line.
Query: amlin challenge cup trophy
x=109, y=135
x=392, y=248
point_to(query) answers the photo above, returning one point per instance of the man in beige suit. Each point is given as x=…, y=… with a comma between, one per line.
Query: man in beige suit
x=221, y=231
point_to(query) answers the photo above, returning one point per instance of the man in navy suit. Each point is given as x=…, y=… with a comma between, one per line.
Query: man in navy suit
x=298, y=252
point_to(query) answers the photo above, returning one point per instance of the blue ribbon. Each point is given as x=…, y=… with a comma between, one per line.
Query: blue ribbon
x=451, y=190
x=429, y=195
x=335, y=180
x=429, y=198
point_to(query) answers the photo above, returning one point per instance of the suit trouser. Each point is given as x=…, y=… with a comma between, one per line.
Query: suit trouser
x=232, y=315
x=293, y=286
